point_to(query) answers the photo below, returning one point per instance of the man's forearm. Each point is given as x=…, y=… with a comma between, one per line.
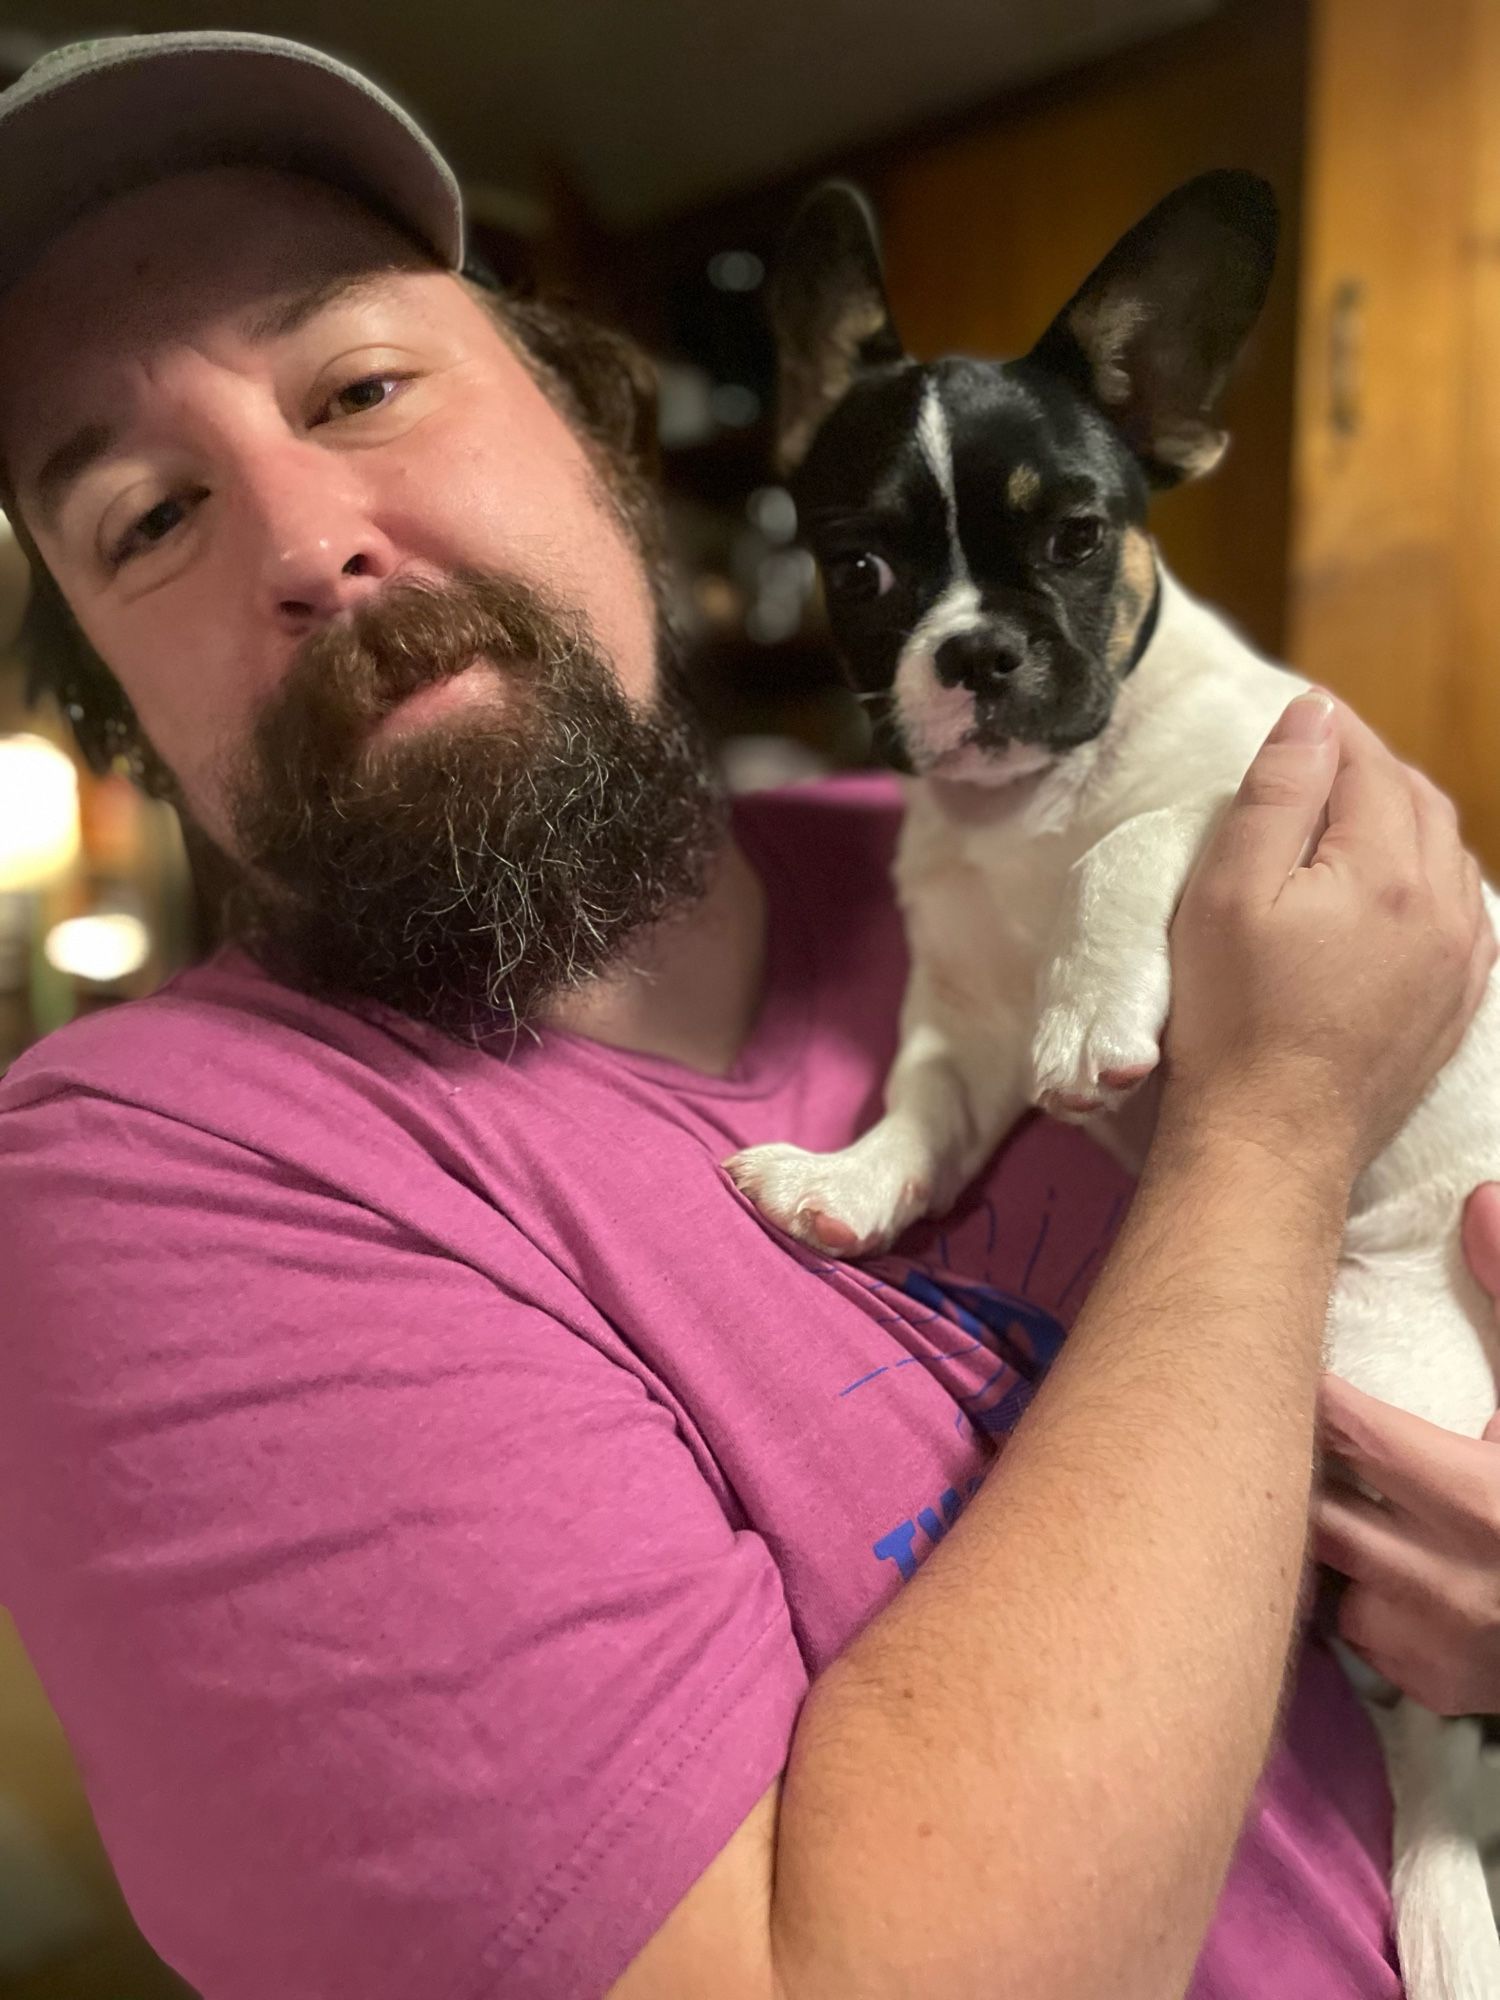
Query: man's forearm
x=1027, y=1775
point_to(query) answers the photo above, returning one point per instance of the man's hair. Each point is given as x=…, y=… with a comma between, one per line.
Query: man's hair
x=600, y=383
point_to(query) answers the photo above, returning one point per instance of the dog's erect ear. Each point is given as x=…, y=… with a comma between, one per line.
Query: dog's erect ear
x=1153, y=334
x=828, y=311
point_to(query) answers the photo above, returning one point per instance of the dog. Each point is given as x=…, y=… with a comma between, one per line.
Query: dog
x=1075, y=722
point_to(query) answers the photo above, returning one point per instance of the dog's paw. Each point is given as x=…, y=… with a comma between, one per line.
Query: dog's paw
x=849, y=1204
x=1090, y=1055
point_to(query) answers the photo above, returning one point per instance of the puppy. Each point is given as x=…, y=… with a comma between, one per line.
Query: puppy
x=1075, y=721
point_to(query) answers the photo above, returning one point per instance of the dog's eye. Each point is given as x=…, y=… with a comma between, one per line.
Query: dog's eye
x=856, y=579
x=1075, y=540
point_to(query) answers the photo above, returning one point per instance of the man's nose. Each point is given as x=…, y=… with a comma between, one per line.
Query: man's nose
x=978, y=660
x=320, y=549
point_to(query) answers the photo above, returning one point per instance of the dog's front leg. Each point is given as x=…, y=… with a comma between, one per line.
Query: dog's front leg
x=1105, y=981
x=958, y=1082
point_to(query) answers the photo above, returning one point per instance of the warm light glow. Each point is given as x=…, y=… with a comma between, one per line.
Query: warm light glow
x=101, y=949
x=38, y=811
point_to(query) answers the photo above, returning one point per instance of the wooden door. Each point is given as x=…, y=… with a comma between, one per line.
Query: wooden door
x=1395, y=514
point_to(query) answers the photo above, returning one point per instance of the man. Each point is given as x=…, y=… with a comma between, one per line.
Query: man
x=465, y=1547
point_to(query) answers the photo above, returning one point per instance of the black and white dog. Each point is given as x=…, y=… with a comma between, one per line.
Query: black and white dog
x=1075, y=721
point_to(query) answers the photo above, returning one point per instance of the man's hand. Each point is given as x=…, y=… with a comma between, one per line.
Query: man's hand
x=1423, y=1601
x=1314, y=1004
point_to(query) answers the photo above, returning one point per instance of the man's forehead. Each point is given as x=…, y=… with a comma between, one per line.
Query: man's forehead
x=208, y=243
x=249, y=251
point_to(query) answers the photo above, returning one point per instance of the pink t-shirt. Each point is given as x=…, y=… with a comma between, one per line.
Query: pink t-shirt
x=427, y=1488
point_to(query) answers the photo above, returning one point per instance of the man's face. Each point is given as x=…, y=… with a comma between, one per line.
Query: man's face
x=260, y=482
x=244, y=422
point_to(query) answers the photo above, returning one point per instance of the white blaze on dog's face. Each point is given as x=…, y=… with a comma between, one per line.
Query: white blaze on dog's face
x=934, y=711
x=980, y=526
x=934, y=719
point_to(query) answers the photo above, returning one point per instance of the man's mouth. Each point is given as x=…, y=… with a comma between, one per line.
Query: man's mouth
x=435, y=701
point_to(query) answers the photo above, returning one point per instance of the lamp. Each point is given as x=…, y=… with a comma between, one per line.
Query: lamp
x=102, y=948
x=39, y=832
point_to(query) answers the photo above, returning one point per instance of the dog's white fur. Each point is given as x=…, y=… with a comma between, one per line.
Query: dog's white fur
x=1037, y=910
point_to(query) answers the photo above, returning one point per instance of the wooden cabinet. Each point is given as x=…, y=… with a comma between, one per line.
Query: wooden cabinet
x=1355, y=527
x=1389, y=593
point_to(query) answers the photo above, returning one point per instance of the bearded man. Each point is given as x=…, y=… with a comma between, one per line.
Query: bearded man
x=471, y=1554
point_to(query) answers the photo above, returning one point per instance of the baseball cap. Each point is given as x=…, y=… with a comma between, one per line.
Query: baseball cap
x=97, y=117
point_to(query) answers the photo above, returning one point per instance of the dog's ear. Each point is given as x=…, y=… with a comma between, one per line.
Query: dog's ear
x=828, y=311
x=1152, y=335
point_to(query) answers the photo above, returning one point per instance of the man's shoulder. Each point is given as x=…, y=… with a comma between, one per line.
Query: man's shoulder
x=225, y=1101
x=208, y=1047
x=230, y=1053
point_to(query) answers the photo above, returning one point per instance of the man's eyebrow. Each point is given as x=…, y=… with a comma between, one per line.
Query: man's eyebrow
x=83, y=448
x=287, y=315
x=72, y=458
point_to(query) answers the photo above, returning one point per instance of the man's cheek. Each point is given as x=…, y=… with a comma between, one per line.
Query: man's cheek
x=198, y=725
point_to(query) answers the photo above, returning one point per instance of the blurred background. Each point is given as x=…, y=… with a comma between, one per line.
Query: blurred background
x=644, y=159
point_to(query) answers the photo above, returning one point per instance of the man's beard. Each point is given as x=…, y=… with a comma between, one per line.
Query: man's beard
x=473, y=870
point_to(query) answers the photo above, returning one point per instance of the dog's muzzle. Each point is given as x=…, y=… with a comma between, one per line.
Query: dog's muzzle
x=980, y=661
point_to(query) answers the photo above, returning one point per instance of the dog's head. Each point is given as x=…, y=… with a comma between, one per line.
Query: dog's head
x=979, y=525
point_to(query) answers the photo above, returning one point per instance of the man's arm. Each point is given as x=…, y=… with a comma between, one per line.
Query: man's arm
x=1027, y=1776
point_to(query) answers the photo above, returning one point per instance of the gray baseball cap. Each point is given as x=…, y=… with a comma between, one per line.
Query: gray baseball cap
x=98, y=117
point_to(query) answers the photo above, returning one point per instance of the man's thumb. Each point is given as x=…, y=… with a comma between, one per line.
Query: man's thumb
x=1308, y=719
x=1278, y=811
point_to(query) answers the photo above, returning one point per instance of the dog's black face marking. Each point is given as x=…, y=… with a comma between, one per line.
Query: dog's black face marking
x=1013, y=591
x=980, y=526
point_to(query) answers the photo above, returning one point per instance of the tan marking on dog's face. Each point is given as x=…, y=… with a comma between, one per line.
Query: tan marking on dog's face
x=1134, y=588
x=1023, y=486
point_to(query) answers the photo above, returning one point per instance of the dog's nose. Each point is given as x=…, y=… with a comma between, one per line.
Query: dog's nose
x=976, y=660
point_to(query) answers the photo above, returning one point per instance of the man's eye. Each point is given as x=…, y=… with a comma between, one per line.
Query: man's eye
x=153, y=526
x=368, y=393
x=859, y=578
x=1074, y=541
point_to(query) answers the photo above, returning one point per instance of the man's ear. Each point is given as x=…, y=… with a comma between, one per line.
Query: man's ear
x=828, y=311
x=1152, y=335
x=610, y=382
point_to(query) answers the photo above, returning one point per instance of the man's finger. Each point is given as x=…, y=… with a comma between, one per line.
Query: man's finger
x=1396, y=1631
x=1437, y=833
x=1482, y=1236
x=1279, y=806
x=1372, y=815
x=1361, y=1540
x=1482, y=962
x=1393, y=1639
x=1374, y=1629
x=1431, y=1473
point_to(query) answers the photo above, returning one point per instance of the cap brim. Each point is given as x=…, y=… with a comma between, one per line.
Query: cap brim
x=91, y=121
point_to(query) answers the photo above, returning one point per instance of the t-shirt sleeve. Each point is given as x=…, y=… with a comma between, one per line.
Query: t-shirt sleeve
x=403, y=1646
